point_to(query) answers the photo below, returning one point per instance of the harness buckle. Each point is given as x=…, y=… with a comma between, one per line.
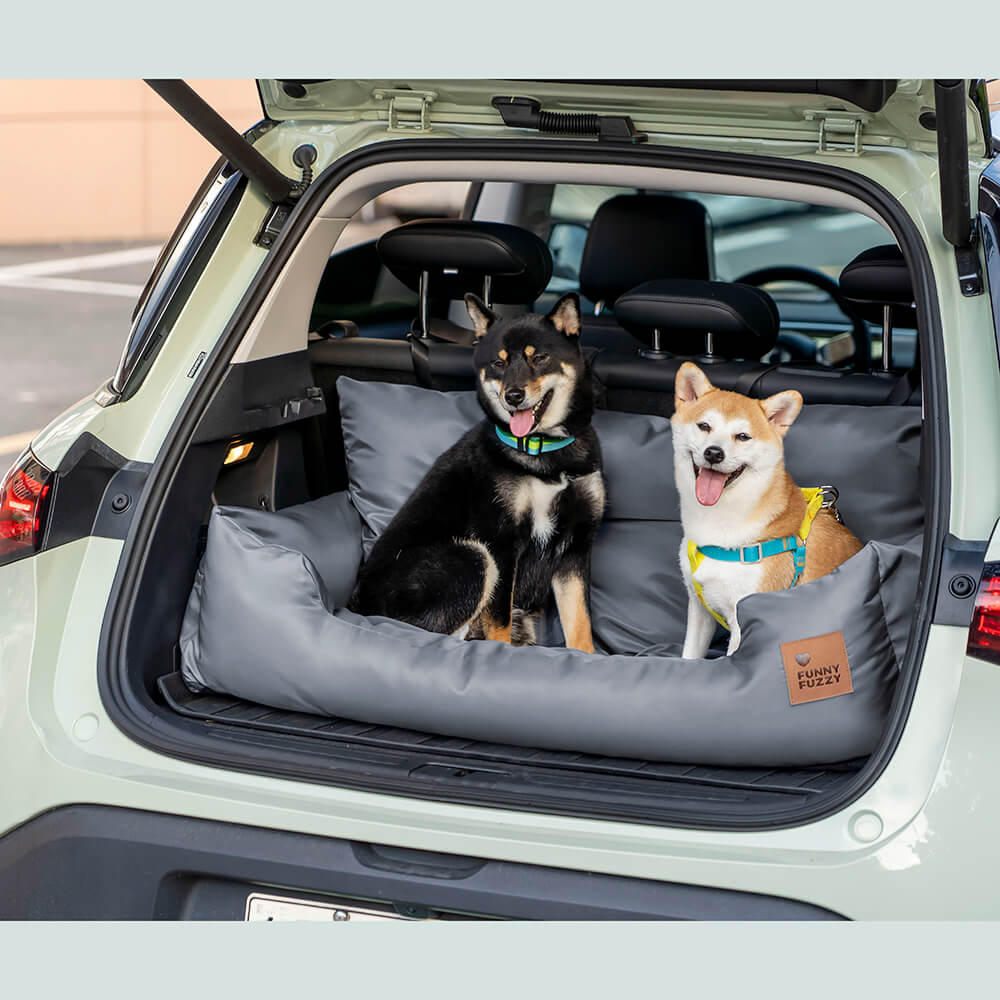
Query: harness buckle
x=830, y=497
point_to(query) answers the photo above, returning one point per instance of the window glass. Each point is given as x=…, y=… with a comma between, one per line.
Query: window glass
x=753, y=233
x=749, y=233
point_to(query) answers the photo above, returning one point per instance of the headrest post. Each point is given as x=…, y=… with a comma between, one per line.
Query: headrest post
x=424, y=302
x=713, y=320
x=458, y=254
x=887, y=338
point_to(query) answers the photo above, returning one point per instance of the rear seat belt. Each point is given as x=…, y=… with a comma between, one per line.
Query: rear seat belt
x=440, y=330
x=420, y=357
x=747, y=382
x=909, y=381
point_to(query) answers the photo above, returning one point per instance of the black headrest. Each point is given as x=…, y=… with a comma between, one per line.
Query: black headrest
x=879, y=277
x=518, y=262
x=742, y=319
x=639, y=237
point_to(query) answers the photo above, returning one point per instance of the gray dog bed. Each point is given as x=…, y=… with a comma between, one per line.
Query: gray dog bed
x=266, y=620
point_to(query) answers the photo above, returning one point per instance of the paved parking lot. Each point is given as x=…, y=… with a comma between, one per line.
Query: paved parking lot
x=65, y=313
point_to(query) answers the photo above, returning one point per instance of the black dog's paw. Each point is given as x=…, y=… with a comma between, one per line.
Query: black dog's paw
x=523, y=628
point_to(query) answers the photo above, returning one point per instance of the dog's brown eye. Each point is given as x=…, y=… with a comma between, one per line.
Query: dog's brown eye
x=539, y=358
x=742, y=437
x=498, y=364
x=704, y=427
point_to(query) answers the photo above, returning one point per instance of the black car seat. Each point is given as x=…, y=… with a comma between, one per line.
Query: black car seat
x=722, y=326
x=442, y=259
x=508, y=267
x=634, y=238
x=726, y=328
x=879, y=284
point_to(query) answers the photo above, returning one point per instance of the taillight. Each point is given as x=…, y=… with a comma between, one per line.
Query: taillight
x=984, y=632
x=24, y=495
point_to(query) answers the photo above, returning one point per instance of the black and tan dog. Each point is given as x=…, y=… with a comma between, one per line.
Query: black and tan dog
x=509, y=512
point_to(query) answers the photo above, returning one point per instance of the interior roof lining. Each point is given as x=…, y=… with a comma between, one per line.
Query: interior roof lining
x=282, y=323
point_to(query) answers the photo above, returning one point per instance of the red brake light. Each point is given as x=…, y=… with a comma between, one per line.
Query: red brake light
x=984, y=632
x=24, y=494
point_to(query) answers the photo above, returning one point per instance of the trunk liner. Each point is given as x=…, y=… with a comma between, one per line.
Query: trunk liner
x=601, y=781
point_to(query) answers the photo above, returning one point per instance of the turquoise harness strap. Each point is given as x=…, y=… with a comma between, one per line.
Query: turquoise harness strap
x=796, y=544
x=533, y=444
x=754, y=553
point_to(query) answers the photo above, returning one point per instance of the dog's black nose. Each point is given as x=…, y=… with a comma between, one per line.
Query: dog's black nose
x=514, y=396
x=714, y=455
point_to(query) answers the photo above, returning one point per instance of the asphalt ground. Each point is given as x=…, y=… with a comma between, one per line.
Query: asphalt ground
x=65, y=313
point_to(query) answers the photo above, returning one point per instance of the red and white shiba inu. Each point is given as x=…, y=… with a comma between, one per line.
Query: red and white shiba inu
x=747, y=526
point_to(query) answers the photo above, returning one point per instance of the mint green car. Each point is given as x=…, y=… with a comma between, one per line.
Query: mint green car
x=125, y=796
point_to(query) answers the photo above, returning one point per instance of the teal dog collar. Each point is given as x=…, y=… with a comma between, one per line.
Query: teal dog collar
x=533, y=444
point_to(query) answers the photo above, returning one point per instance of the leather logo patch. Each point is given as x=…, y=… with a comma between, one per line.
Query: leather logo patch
x=816, y=668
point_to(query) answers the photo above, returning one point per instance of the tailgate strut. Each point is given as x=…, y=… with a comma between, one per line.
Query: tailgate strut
x=957, y=224
x=227, y=140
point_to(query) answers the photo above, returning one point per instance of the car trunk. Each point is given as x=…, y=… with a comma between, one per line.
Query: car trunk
x=289, y=409
x=296, y=460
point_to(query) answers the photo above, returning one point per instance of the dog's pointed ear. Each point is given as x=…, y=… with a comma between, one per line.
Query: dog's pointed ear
x=690, y=385
x=480, y=313
x=782, y=409
x=565, y=315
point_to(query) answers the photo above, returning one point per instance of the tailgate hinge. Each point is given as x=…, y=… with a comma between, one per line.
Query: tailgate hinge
x=408, y=109
x=274, y=222
x=843, y=127
x=970, y=272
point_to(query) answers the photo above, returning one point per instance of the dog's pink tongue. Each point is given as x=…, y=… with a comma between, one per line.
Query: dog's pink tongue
x=521, y=421
x=708, y=486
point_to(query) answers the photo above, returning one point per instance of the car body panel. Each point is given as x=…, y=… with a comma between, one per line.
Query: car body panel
x=664, y=110
x=73, y=753
x=902, y=850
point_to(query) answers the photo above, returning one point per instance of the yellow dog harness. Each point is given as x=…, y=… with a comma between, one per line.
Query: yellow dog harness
x=815, y=498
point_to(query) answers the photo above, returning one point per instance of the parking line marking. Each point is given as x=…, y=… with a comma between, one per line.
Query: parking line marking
x=88, y=262
x=78, y=285
x=14, y=443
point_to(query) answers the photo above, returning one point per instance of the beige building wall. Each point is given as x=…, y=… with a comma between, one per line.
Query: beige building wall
x=95, y=160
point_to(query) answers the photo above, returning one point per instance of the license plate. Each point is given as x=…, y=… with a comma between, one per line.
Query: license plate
x=264, y=907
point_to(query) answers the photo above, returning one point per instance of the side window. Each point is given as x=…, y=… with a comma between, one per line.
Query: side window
x=754, y=233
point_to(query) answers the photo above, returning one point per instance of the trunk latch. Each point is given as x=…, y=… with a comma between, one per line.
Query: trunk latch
x=843, y=127
x=408, y=109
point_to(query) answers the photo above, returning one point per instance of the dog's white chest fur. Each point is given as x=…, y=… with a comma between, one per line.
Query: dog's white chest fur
x=531, y=498
x=723, y=584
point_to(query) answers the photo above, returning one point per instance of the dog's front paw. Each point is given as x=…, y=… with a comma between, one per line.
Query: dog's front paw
x=734, y=640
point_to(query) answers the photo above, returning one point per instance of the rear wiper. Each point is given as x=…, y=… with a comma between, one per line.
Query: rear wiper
x=525, y=112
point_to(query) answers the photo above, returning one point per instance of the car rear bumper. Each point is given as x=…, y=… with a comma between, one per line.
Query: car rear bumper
x=104, y=863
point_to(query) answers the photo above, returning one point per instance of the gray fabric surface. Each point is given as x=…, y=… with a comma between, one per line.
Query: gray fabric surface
x=329, y=529
x=394, y=433
x=266, y=621
x=280, y=644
